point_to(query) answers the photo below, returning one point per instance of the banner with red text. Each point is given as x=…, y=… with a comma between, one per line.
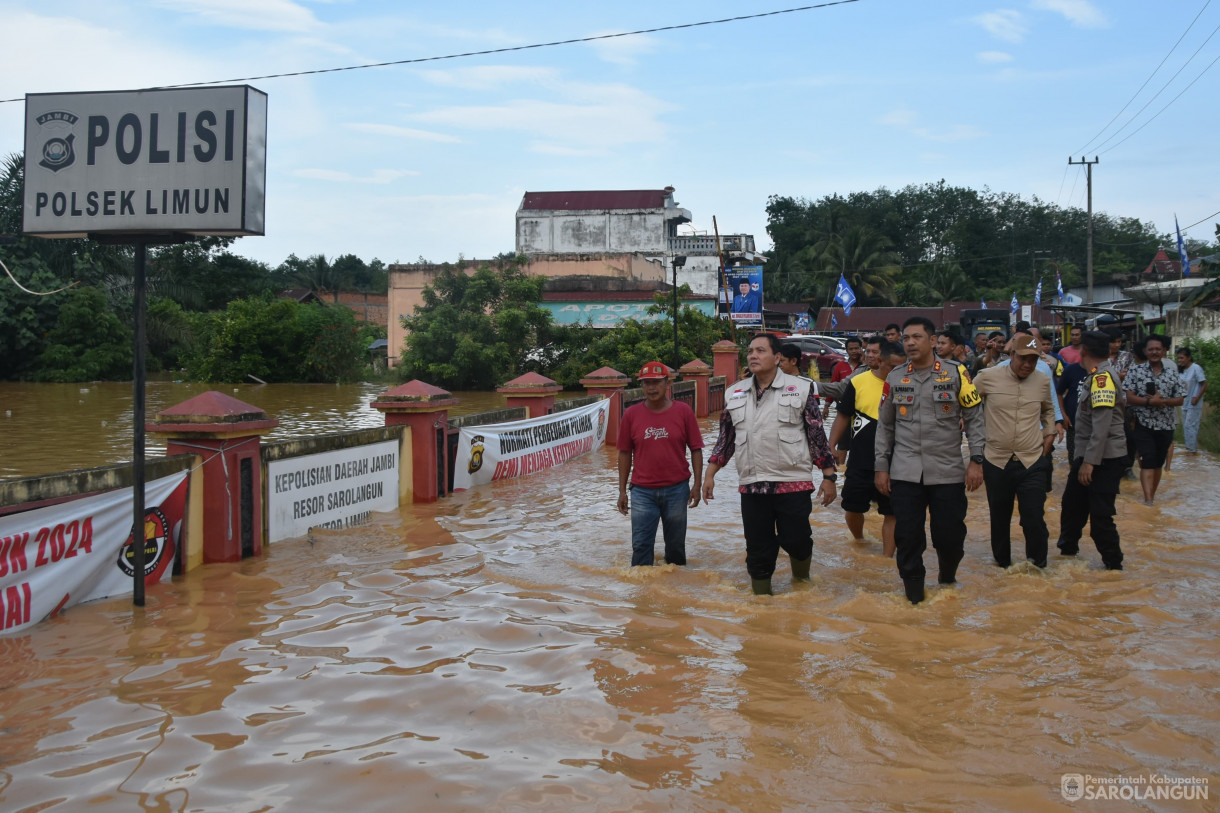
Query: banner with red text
x=499, y=450
x=54, y=557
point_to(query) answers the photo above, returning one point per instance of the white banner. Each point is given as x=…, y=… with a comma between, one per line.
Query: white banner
x=499, y=450
x=54, y=557
x=331, y=489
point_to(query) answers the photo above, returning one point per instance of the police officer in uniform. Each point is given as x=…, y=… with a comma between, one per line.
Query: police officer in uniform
x=1101, y=443
x=919, y=462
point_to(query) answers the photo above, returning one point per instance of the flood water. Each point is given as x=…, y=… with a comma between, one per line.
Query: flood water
x=58, y=427
x=494, y=651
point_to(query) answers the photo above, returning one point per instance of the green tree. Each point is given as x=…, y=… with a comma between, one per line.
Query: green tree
x=474, y=331
x=88, y=342
x=277, y=340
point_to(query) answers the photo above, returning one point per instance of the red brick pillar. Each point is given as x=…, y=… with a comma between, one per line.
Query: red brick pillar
x=725, y=361
x=701, y=374
x=424, y=410
x=533, y=391
x=227, y=434
x=609, y=383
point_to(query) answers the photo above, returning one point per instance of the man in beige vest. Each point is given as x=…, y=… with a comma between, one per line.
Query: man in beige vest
x=772, y=425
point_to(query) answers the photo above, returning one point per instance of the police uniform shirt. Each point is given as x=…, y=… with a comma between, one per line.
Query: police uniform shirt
x=919, y=435
x=1100, y=416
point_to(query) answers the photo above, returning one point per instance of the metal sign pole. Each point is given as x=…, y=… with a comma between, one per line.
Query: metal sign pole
x=137, y=432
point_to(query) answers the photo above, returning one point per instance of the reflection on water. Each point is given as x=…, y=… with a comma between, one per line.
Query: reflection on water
x=494, y=651
x=59, y=427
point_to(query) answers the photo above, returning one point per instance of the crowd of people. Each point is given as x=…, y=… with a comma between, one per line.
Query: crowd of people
x=903, y=403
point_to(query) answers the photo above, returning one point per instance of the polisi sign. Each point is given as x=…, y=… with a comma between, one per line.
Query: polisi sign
x=190, y=160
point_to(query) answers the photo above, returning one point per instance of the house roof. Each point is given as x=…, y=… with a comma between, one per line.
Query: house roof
x=615, y=296
x=597, y=199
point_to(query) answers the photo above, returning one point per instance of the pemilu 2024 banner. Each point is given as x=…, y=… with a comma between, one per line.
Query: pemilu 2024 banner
x=54, y=557
x=499, y=450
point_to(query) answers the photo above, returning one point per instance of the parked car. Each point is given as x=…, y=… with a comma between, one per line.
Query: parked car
x=816, y=350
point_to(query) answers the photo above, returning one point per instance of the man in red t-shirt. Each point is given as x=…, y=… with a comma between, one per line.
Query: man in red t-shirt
x=652, y=441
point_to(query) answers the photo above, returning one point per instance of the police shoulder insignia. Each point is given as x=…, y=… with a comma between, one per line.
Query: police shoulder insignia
x=968, y=395
x=1102, y=391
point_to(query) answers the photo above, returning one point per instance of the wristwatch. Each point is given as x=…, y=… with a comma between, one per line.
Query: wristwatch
x=976, y=458
x=831, y=478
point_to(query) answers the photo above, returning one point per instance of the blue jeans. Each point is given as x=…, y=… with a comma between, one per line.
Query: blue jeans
x=666, y=505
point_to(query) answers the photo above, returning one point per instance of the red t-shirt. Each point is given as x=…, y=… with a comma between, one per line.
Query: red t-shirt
x=1070, y=355
x=658, y=442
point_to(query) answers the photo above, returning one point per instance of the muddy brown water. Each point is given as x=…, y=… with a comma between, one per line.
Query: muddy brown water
x=493, y=651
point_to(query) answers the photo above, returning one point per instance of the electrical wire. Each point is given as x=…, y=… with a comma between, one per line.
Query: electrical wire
x=487, y=52
x=1127, y=123
x=1171, y=101
x=1197, y=222
x=39, y=293
x=1149, y=79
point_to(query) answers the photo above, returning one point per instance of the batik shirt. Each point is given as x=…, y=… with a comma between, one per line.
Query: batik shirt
x=1168, y=385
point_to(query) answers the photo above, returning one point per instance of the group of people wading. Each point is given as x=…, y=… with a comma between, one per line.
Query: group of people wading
x=903, y=411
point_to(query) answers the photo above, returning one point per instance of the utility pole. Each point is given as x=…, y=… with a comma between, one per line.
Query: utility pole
x=1088, y=167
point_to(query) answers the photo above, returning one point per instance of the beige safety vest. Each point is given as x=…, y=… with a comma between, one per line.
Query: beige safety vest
x=771, y=444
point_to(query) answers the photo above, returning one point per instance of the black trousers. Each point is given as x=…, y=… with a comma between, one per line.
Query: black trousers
x=1093, y=504
x=912, y=503
x=1028, y=487
x=774, y=521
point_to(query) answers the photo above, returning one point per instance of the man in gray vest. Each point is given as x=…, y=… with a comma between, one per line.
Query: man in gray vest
x=772, y=425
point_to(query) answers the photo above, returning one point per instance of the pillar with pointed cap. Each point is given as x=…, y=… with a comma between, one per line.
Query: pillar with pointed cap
x=227, y=434
x=699, y=372
x=609, y=383
x=533, y=391
x=424, y=409
x=726, y=360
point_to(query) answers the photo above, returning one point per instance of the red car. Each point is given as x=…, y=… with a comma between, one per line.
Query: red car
x=816, y=351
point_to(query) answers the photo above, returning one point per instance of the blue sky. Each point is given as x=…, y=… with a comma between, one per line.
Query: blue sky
x=431, y=160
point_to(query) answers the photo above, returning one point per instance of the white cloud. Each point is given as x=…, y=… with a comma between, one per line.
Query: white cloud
x=379, y=176
x=595, y=119
x=899, y=118
x=906, y=120
x=958, y=132
x=401, y=132
x=258, y=15
x=994, y=57
x=1004, y=24
x=489, y=77
x=623, y=50
x=1081, y=13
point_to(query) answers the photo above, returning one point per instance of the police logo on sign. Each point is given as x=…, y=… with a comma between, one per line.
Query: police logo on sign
x=57, y=151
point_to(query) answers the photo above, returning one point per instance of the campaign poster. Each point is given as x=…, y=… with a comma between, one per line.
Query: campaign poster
x=52, y=558
x=500, y=450
x=746, y=290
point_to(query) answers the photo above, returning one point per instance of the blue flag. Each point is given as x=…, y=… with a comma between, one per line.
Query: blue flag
x=834, y=323
x=844, y=295
x=1182, y=249
x=1014, y=306
x=1059, y=284
x=1038, y=294
x=983, y=302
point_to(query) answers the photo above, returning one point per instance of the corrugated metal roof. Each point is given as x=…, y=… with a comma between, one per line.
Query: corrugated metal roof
x=595, y=199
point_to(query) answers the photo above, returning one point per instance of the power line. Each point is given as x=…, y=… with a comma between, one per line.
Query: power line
x=1159, y=92
x=1149, y=79
x=1197, y=222
x=1171, y=101
x=573, y=41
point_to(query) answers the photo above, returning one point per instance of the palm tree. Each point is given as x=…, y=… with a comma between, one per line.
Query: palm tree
x=866, y=259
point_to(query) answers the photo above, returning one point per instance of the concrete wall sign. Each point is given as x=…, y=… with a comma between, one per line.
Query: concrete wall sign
x=190, y=160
